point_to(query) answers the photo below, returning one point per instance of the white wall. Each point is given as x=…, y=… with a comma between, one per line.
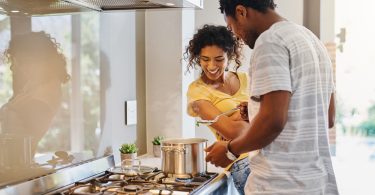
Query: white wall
x=117, y=40
x=166, y=83
x=319, y=17
x=327, y=21
x=291, y=10
x=210, y=14
x=141, y=81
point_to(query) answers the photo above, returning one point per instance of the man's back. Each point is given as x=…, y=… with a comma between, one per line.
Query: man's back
x=289, y=57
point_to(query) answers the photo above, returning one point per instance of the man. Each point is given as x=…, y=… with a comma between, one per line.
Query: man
x=291, y=105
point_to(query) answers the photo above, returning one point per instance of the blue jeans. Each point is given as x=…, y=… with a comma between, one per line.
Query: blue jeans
x=240, y=170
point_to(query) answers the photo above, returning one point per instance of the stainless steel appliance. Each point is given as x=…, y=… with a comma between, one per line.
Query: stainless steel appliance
x=156, y=182
x=37, y=7
x=96, y=177
x=184, y=157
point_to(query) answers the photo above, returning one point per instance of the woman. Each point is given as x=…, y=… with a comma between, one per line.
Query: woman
x=219, y=90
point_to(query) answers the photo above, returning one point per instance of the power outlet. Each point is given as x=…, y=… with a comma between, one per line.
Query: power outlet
x=131, y=112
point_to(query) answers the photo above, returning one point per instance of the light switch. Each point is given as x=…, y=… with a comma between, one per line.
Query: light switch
x=131, y=112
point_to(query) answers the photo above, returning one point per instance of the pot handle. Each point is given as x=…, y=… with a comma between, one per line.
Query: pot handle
x=171, y=148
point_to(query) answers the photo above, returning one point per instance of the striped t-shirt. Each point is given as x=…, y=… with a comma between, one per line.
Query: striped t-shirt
x=291, y=58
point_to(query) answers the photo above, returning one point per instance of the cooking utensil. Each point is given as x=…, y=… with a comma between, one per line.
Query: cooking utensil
x=210, y=122
x=184, y=158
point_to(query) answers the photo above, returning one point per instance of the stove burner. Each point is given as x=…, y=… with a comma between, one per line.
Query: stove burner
x=116, y=177
x=199, y=179
x=149, y=184
x=132, y=188
x=180, y=176
x=184, y=180
x=83, y=189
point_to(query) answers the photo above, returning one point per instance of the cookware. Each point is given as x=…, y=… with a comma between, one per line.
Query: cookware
x=184, y=158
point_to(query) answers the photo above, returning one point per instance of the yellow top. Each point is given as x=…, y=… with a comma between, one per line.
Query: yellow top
x=199, y=90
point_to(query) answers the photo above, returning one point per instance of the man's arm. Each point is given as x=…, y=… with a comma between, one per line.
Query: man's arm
x=266, y=125
x=331, y=112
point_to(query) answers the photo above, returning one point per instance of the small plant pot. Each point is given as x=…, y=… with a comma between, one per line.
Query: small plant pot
x=128, y=156
x=156, y=150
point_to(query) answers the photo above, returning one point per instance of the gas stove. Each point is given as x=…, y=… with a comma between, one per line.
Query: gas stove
x=155, y=182
x=98, y=177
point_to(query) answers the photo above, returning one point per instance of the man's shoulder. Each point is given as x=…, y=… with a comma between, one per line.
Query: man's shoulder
x=275, y=34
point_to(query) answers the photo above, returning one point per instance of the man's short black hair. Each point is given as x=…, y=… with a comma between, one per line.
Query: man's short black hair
x=228, y=7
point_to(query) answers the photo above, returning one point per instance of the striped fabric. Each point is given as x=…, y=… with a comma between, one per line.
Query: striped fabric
x=289, y=57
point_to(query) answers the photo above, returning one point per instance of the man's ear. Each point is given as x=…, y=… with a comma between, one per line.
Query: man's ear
x=241, y=11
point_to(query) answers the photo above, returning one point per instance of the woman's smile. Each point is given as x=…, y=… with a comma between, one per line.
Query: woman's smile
x=213, y=71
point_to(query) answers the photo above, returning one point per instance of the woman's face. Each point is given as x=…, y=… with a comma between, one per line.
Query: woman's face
x=213, y=61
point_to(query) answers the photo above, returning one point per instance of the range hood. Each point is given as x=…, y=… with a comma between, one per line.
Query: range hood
x=42, y=7
x=106, y=5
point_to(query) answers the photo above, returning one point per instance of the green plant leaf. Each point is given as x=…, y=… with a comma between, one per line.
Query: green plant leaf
x=128, y=148
x=157, y=140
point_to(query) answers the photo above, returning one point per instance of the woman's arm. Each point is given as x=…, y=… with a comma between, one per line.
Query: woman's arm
x=228, y=127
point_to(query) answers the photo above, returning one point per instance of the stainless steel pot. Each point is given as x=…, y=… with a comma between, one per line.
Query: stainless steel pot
x=184, y=157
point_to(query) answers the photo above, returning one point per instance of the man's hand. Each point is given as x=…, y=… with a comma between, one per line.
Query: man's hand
x=216, y=154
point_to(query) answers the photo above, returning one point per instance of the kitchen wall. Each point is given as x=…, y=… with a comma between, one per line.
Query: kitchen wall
x=118, y=76
x=141, y=82
x=166, y=33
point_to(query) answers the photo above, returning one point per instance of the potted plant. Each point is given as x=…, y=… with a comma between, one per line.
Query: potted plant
x=156, y=145
x=128, y=151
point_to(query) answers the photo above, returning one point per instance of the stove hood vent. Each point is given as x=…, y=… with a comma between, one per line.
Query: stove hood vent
x=107, y=5
x=46, y=7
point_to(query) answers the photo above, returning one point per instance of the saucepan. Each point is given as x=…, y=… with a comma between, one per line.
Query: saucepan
x=184, y=158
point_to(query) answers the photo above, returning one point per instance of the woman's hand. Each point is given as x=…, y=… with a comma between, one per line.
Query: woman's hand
x=236, y=116
x=243, y=111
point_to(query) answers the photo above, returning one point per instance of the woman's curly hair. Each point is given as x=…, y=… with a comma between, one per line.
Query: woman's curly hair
x=210, y=35
x=38, y=46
